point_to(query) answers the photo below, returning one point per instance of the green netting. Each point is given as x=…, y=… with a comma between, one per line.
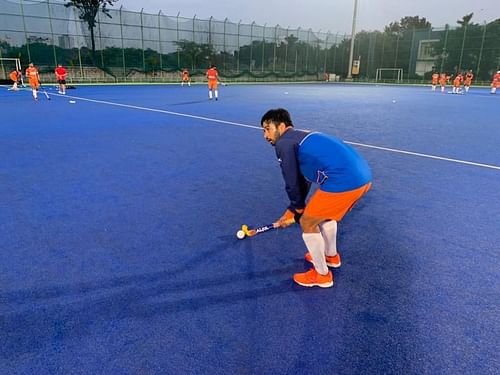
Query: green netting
x=48, y=33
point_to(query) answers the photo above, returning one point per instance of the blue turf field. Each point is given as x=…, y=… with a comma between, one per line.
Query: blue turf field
x=118, y=254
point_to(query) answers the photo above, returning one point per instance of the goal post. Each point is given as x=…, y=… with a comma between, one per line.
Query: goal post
x=389, y=74
x=7, y=65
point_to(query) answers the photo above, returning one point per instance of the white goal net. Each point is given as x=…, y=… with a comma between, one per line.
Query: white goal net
x=8, y=65
x=389, y=75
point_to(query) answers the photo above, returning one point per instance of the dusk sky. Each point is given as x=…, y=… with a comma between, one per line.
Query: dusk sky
x=324, y=15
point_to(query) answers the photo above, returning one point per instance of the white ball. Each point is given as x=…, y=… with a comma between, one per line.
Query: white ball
x=394, y=101
x=286, y=92
x=72, y=101
x=240, y=234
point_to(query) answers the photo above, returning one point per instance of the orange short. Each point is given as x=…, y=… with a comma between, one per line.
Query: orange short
x=34, y=83
x=212, y=84
x=334, y=206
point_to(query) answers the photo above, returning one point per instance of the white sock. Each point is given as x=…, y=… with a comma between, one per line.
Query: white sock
x=442, y=89
x=216, y=93
x=466, y=88
x=493, y=90
x=316, y=246
x=329, y=233
x=210, y=94
x=34, y=93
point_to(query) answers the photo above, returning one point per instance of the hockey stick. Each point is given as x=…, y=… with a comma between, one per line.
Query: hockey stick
x=246, y=232
x=44, y=92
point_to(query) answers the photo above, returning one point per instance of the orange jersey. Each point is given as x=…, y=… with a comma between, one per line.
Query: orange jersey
x=212, y=74
x=32, y=74
x=185, y=75
x=468, y=79
x=14, y=76
x=496, y=80
x=443, y=79
x=435, y=78
x=457, y=82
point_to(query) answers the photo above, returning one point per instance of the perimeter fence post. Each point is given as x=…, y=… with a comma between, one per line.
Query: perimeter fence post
x=481, y=50
x=444, y=53
x=100, y=40
x=462, y=49
x=251, y=46
x=121, y=36
x=224, y=58
x=142, y=44
x=263, y=46
x=52, y=34
x=25, y=32
x=238, y=60
x=274, y=48
x=159, y=43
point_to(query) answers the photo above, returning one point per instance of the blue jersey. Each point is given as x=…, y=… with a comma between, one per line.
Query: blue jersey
x=307, y=158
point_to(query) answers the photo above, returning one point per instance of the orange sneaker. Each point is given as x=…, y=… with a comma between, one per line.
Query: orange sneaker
x=313, y=278
x=330, y=261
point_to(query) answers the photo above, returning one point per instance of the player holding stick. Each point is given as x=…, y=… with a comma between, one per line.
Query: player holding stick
x=213, y=79
x=34, y=80
x=343, y=177
x=15, y=76
x=469, y=76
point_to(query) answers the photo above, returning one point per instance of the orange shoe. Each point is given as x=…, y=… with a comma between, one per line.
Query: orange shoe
x=330, y=261
x=313, y=278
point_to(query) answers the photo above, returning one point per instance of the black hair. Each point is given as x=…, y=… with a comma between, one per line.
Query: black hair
x=277, y=116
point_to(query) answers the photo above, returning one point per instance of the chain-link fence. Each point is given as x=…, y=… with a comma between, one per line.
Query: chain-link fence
x=132, y=46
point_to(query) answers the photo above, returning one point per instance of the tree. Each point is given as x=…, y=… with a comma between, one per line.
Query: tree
x=88, y=10
x=407, y=23
x=465, y=21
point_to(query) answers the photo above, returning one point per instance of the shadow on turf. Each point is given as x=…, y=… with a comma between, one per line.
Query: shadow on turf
x=31, y=318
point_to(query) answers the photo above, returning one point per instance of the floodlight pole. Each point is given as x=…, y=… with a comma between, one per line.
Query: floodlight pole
x=353, y=33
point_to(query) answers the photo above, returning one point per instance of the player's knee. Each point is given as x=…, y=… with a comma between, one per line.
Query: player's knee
x=309, y=224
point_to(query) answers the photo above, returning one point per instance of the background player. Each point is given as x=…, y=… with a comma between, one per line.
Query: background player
x=34, y=79
x=495, y=83
x=61, y=78
x=468, y=80
x=435, y=79
x=213, y=78
x=457, y=84
x=343, y=177
x=15, y=76
x=443, y=78
x=185, y=77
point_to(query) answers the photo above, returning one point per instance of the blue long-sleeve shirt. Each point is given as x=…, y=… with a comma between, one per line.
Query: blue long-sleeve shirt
x=320, y=158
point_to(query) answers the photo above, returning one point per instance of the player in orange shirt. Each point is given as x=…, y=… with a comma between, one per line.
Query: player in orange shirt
x=435, y=79
x=457, y=84
x=61, y=78
x=443, y=78
x=34, y=79
x=15, y=76
x=185, y=77
x=213, y=79
x=495, y=83
x=468, y=80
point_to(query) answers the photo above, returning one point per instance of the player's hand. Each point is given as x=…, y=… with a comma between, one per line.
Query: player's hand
x=287, y=219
